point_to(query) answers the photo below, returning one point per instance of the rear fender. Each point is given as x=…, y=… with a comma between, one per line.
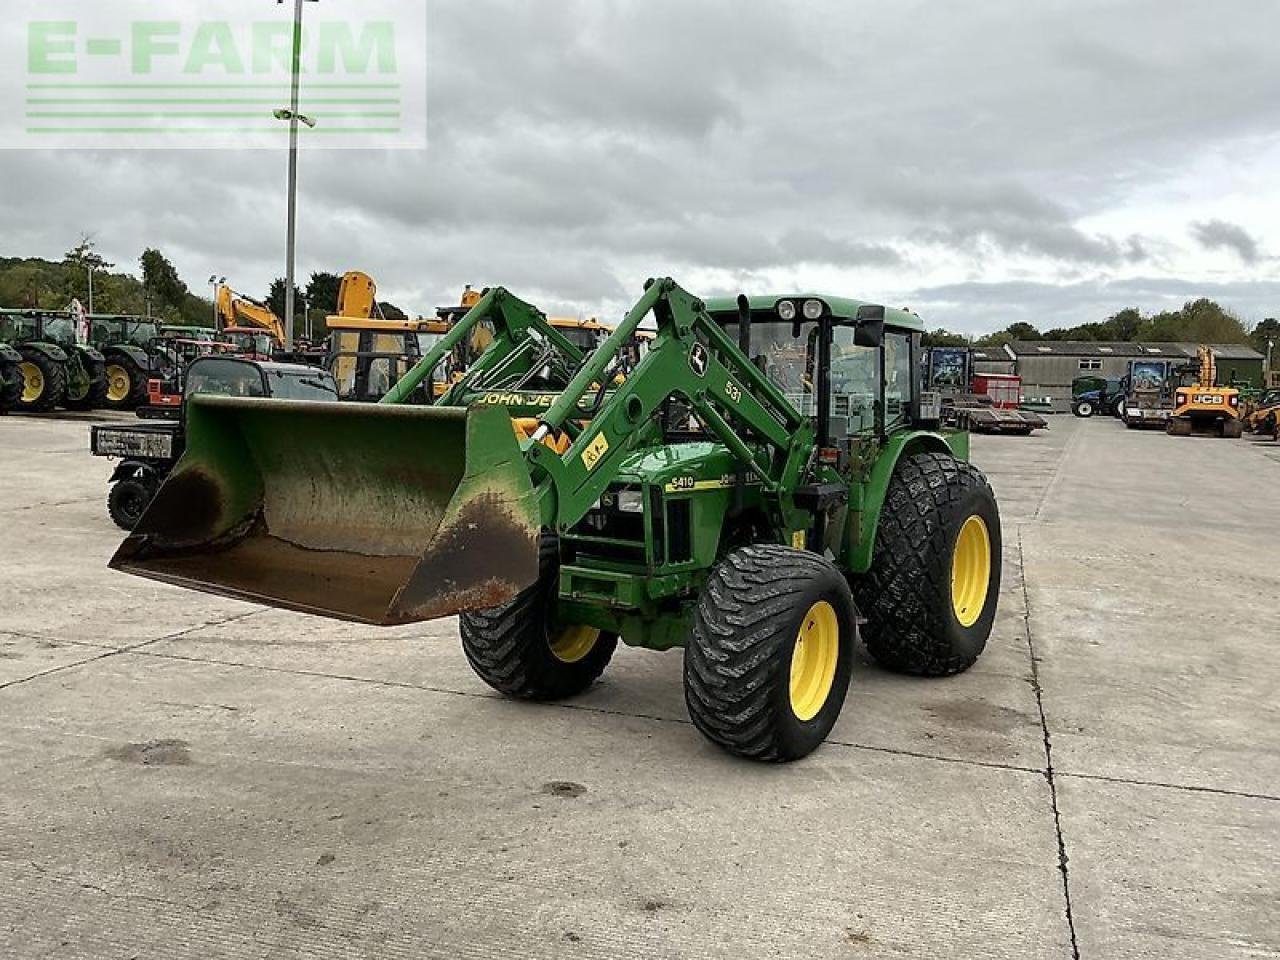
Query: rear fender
x=136, y=354
x=137, y=469
x=867, y=501
x=48, y=350
x=90, y=354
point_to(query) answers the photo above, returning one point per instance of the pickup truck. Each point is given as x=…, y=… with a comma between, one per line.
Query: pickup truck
x=147, y=451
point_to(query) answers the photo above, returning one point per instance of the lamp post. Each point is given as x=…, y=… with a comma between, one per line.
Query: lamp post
x=294, y=117
x=215, y=282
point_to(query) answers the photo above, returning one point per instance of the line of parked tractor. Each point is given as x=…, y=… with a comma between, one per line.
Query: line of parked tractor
x=67, y=359
x=1182, y=399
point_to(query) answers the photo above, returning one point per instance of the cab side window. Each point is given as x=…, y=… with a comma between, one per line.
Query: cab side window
x=897, y=378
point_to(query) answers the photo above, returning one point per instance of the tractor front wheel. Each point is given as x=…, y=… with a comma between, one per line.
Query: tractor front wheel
x=520, y=651
x=930, y=596
x=768, y=665
x=126, y=383
x=1083, y=409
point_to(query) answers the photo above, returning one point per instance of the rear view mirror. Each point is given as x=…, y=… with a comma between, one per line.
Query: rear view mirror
x=869, y=331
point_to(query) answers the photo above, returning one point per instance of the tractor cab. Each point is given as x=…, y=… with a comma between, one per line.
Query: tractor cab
x=869, y=355
x=252, y=343
x=368, y=357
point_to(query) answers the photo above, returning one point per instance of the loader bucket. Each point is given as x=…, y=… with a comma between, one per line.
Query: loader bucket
x=377, y=514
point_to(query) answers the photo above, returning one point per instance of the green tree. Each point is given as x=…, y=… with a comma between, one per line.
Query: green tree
x=1123, y=325
x=83, y=259
x=1268, y=329
x=322, y=292
x=1022, y=331
x=276, y=298
x=162, y=282
x=1163, y=327
x=941, y=337
x=1207, y=322
x=391, y=312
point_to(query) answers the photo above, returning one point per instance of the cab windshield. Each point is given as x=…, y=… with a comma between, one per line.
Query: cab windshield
x=789, y=362
x=225, y=378
x=302, y=385
x=59, y=329
x=585, y=339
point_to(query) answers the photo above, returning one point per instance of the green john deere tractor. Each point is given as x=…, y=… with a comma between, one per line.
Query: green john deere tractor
x=128, y=348
x=57, y=370
x=766, y=484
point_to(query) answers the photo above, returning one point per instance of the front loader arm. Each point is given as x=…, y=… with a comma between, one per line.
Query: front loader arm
x=693, y=359
x=514, y=322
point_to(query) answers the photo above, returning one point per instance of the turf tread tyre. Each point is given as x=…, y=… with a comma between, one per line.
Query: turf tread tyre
x=906, y=596
x=508, y=646
x=737, y=664
x=55, y=382
x=127, y=500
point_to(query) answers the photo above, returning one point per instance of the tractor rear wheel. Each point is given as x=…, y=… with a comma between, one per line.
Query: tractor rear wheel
x=44, y=382
x=11, y=386
x=520, y=651
x=1179, y=427
x=1233, y=428
x=126, y=383
x=930, y=596
x=767, y=667
x=128, y=500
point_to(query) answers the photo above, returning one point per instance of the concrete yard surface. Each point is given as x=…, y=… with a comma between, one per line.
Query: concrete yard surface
x=186, y=776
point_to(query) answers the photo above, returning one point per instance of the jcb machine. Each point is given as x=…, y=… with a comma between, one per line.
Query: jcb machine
x=369, y=354
x=255, y=330
x=1201, y=407
x=764, y=483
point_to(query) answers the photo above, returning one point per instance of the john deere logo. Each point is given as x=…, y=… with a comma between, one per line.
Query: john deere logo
x=698, y=360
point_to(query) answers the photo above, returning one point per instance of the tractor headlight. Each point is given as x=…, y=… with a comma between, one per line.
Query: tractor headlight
x=787, y=311
x=630, y=501
x=812, y=309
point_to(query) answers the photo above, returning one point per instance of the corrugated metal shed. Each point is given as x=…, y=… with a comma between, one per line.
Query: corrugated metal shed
x=1092, y=348
x=1047, y=368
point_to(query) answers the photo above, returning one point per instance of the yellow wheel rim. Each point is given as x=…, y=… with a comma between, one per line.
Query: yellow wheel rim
x=572, y=644
x=117, y=383
x=971, y=571
x=813, y=661
x=32, y=382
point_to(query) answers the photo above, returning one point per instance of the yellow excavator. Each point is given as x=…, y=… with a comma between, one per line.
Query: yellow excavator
x=250, y=325
x=1201, y=407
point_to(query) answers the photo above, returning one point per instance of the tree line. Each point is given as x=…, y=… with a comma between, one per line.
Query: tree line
x=1198, y=321
x=156, y=291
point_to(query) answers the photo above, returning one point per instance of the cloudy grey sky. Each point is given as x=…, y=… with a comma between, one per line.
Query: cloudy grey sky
x=982, y=161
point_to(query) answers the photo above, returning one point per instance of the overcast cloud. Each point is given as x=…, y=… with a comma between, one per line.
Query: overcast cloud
x=983, y=161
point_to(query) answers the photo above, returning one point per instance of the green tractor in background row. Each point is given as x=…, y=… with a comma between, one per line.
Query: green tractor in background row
x=57, y=370
x=766, y=484
x=129, y=349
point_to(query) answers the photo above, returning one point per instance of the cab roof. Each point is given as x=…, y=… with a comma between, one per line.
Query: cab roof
x=842, y=308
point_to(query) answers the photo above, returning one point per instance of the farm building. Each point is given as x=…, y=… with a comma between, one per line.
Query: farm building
x=1048, y=367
